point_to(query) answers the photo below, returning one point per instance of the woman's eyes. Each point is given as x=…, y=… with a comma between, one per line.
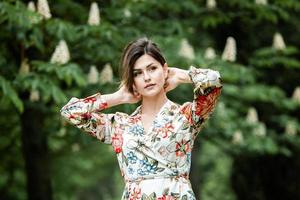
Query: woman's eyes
x=136, y=73
x=153, y=68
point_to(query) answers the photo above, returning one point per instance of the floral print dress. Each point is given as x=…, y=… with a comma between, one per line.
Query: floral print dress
x=154, y=164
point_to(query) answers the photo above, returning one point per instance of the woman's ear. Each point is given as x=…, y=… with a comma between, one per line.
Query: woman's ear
x=135, y=92
x=166, y=70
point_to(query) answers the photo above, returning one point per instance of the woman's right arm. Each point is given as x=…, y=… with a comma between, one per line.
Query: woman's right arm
x=86, y=113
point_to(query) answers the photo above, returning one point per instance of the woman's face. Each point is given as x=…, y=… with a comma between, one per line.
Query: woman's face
x=149, y=76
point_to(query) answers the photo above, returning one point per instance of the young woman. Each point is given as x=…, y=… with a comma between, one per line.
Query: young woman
x=153, y=144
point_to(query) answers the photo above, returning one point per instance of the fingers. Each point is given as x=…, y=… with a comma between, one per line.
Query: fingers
x=134, y=89
x=166, y=65
x=138, y=97
x=135, y=92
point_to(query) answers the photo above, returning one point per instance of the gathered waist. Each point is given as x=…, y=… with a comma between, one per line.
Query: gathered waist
x=142, y=178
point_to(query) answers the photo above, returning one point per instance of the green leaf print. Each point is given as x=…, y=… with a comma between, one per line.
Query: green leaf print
x=153, y=162
x=185, y=126
x=152, y=196
x=166, y=191
x=175, y=195
x=184, y=197
x=160, y=169
x=144, y=197
x=125, y=159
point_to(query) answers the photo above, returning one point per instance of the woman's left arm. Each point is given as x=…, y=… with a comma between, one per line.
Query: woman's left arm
x=207, y=85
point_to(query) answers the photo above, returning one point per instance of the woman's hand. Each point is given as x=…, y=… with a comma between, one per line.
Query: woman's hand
x=171, y=80
x=127, y=97
x=175, y=77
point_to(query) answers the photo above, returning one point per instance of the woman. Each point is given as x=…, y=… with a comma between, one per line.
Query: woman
x=153, y=144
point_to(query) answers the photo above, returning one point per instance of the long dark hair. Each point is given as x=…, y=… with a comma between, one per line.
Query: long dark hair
x=131, y=53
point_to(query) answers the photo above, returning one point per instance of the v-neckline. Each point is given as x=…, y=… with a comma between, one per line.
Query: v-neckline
x=151, y=127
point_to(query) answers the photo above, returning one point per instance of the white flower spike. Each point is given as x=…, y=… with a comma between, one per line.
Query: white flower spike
x=93, y=76
x=237, y=137
x=31, y=6
x=43, y=8
x=278, y=42
x=261, y=2
x=24, y=68
x=211, y=4
x=127, y=13
x=106, y=75
x=94, y=15
x=252, y=116
x=210, y=53
x=186, y=50
x=261, y=130
x=291, y=128
x=61, y=54
x=34, y=95
x=229, y=52
x=296, y=94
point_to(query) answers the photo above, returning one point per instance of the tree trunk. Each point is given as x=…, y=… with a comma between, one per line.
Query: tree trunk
x=266, y=177
x=35, y=152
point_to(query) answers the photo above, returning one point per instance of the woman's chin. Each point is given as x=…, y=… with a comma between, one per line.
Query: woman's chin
x=151, y=93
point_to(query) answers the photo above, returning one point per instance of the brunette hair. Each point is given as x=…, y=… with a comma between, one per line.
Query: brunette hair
x=131, y=53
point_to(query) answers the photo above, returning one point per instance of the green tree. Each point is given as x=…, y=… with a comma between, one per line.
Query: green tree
x=237, y=155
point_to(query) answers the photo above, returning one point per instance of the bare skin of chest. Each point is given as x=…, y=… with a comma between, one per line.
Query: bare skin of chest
x=147, y=122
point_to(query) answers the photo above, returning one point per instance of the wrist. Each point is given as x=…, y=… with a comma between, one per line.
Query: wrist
x=119, y=97
x=183, y=76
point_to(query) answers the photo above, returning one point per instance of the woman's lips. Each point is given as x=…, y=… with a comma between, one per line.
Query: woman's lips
x=149, y=86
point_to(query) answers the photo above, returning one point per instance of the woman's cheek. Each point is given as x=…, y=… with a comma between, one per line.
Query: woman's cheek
x=138, y=85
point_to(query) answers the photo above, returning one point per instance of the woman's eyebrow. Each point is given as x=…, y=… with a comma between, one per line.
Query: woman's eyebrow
x=146, y=67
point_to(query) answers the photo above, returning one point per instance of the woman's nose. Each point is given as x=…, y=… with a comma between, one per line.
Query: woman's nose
x=146, y=76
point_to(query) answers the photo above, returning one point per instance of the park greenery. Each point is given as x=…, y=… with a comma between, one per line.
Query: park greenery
x=51, y=51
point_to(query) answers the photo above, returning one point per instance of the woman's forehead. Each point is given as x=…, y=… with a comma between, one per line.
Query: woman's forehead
x=144, y=61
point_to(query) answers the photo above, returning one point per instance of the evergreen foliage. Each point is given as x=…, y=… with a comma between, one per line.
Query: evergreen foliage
x=237, y=156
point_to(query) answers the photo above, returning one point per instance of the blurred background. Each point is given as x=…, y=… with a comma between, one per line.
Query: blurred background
x=52, y=51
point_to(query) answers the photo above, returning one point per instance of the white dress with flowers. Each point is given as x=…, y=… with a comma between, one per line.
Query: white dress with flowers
x=154, y=165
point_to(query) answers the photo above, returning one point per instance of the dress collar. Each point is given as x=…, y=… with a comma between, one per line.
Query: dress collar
x=138, y=109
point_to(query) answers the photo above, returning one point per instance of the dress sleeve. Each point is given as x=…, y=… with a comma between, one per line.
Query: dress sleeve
x=207, y=86
x=85, y=114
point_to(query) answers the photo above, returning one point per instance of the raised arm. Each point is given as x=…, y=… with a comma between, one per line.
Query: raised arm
x=207, y=88
x=86, y=113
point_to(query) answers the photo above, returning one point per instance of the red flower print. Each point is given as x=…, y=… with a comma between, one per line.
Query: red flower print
x=182, y=148
x=86, y=116
x=168, y=128
x=117, y=142
x=90, y=99
x=187, y=111
x=166, y=197
x=134, y=120
x=205, y=104
x=135, y=194
x=71, y=116
x=103, y=105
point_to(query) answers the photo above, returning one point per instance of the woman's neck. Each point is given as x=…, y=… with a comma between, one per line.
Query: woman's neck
x=152, y=105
